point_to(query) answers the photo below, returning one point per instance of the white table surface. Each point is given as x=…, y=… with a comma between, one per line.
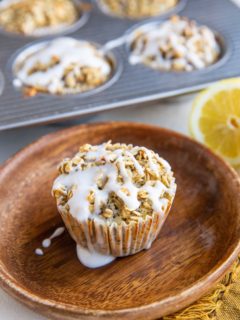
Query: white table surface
x=172, y=113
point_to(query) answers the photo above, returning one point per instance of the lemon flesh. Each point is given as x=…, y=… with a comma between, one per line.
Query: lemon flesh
x=215, y=119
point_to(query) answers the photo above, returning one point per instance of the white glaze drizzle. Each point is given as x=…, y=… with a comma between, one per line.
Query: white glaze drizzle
x=69, y=50
x=17, y=83
x=154, y=39
x=86, y=181
x=46, y=243
x=92, y=259
x=39, y=252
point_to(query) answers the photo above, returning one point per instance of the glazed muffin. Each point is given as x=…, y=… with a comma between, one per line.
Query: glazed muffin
x=178, y=44
x=136, y=9
x=31, y=17
x=61, y=66
x=114, y=198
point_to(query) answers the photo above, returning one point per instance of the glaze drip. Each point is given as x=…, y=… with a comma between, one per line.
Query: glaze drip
x=93, y=259
x=46, y=243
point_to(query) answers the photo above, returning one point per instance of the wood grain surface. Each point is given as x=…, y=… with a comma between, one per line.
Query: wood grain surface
x=196, y=246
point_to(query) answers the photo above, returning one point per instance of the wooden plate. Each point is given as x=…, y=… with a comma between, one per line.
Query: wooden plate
x=196, y=246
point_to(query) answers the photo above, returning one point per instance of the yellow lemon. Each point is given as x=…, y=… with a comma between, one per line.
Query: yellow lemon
x=215, y=119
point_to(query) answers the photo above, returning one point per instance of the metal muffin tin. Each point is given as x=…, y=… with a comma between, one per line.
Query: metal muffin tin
x=136, y=83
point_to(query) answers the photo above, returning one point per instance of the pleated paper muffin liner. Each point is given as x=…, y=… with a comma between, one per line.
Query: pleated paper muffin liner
x=115, y=239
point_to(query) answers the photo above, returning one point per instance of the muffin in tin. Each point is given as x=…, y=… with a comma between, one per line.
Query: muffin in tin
x=178, y=44
x=33, y=17
x=114, y=198
x=136, y=9
x=61, y=66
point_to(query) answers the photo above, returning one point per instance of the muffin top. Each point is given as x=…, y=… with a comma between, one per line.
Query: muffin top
x=177, y=44
x=114, y=182
x=64, y=65
x=136, y=9
x=36, y=16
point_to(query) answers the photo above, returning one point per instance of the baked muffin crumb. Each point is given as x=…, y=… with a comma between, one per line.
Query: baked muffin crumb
x=30, y=16
x=136, y=9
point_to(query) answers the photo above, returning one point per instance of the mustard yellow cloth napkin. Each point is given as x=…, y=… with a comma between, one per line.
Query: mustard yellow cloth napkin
x=223, y=303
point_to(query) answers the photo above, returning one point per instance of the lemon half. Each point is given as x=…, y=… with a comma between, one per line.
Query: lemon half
x=215, y=119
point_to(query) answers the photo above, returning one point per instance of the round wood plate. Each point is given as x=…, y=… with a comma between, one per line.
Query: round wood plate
x=196, y=246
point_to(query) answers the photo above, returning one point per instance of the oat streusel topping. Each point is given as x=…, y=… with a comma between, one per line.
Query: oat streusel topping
x=177, y=44
x=114, y=182
x=136, y=9
x=29, y=16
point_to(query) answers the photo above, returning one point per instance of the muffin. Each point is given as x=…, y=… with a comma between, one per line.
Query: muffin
x=61, y=66
x=30, y=17
x=178, y=44
x=114, y=198
x=136, y=9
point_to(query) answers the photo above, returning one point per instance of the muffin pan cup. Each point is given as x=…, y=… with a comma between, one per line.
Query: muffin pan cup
x=57, y=30
x=136, y=83
x=37, y=45
x=225, y=46
x=174, y=10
